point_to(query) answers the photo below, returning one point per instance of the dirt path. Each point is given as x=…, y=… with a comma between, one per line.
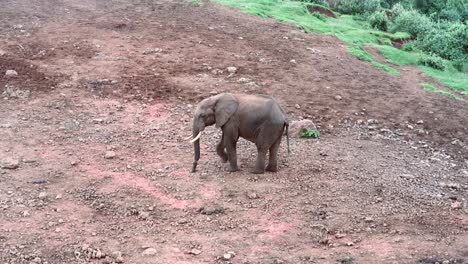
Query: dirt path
x=103, y=98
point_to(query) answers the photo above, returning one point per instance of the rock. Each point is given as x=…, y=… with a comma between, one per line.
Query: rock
x=228, y=256
x=420, y=122
x=195, y=251
x=26, y=213
x=368, y=219
x=144, y=215
x=37, y=260
x=118, y=256
x=42, y=195
x=9, y=163
x=119, y=260
x=211, y=209
x=338, y=97
x=252, y=195
x=149, y=252
x=11, y=73
x=110, y=154
x=297, y=106
x=456, y=205
x=410, y=127
x=297, y=126
x=232, y=69
x=293, y=61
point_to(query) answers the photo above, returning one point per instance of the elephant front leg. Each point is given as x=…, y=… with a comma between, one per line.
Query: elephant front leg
x=230, y=144
x=220, y=150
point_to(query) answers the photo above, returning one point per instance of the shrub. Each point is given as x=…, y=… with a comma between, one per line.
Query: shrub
x=411, y=21
x=446, y=40
x=360, y=7
x=432, y=61
x=379, y=21
x=450, y=15
x=318, y=2
x=409, y=46
x=318, y=15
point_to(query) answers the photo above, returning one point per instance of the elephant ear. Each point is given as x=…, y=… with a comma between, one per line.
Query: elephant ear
x=225, y=107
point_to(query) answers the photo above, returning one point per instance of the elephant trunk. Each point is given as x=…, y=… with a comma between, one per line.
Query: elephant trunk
x=196, y=147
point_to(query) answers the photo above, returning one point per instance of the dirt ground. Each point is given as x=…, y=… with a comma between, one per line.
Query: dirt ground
x=94, y=168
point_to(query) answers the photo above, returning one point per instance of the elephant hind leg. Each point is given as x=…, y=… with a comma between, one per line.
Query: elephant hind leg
x=260, y=163
x=220, y=150
x=273, y=157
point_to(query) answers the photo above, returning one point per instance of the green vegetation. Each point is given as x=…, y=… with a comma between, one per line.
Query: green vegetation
x=434, y=89
x=309, y=133
x=436, y=30
x=398, y=57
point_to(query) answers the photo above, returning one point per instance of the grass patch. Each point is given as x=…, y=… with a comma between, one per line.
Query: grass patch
x=450, y=78
x=386, y=68
x=398, y=57
x=360, y=53
x=434, y=89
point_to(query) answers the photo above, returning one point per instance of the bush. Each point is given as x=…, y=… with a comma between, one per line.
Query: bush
x=318, y=15
x=446, y=40
x=432, y=61
x=379, y=21
x=358, y=7
x=409, y=46
x=450, y=15
x=411, y=21
x=318, y=2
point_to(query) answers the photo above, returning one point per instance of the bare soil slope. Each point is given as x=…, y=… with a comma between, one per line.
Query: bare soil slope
x=94, y=167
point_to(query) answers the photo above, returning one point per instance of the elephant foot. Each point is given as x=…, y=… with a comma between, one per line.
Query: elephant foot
x=272, y=168
x=258, y=171
x=233, y=169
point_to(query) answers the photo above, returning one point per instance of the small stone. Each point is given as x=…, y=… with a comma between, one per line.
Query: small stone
x=144, y=215
x=350, y=244
x=456, y=205
x=227, y=256
x=338, y=97
x=149, y=252
x=26, y=213
x=182, y=221
x=37, y=260
x=240, y=38
x=252, y=195
x=110, y=154
x=9, y=163
x=293, y=61
x=99, y=254
x=410, y=127
x=232, y=69
x=368, y=219
x=211, y=209
x=42, y=195
x=58, y=197
x=339, y=235
x=195, y=251
x=420, y=122
x=57, y=230
x=119, y=260
x=10, y=73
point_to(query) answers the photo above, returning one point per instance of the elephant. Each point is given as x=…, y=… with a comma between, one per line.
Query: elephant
x=256, y=118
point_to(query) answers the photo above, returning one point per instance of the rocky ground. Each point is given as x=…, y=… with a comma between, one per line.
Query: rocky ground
x=97, y=97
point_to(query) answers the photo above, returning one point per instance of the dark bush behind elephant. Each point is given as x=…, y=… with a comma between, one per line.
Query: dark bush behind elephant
x=256, y=118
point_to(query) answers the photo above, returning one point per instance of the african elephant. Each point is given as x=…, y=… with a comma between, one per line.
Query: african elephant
x=256, y=118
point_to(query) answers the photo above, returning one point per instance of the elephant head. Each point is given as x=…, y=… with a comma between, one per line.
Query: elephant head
x=217, y=110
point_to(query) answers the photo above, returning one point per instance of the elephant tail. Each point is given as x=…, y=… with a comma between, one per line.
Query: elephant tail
x=286, y=125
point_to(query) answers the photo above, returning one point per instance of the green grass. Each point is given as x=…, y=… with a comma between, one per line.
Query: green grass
x=434, y=89
x=450, y=78
x=360, y=53
x=398, y=57
x=386, y=68
x=352, y=30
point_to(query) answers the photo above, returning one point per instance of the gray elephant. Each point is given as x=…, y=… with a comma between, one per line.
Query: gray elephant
x=256, y=118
